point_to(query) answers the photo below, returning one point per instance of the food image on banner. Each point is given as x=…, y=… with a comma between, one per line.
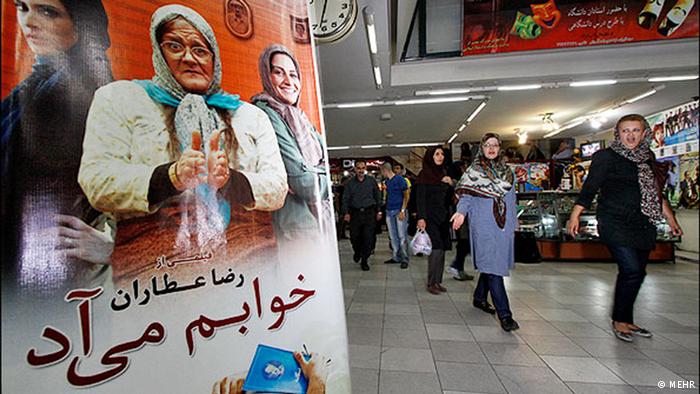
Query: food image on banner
x=509, y=26
x=166, y=201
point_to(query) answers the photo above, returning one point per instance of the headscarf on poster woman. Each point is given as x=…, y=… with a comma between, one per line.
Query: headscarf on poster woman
x=307, y=208
x=179, y=140
x=43, y=123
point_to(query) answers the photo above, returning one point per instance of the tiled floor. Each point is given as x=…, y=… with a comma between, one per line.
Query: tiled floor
x=405, y=340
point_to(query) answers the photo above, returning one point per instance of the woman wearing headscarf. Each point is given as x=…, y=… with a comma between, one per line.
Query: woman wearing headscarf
x=169, y=157
x=307, y=209
x=629, y=184
x=43, y=123
x=487, y=196
x=433, y=200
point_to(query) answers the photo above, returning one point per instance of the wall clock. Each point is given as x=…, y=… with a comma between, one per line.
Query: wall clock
x=332, y=20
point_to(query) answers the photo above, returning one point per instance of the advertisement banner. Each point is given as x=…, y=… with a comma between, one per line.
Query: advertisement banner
x=511, y=26
x=166, y=206
x=675, y=126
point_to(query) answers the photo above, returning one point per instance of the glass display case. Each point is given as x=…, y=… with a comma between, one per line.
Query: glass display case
x=546, y=214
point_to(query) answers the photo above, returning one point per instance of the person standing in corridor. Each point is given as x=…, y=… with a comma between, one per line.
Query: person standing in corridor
x=361, y=202
x=397, y=194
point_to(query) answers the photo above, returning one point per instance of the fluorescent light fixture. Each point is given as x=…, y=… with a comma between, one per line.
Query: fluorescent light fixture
x=441, y=92
x=454, y=137
x=462, y=127
x=372, y=37
x=377, y=76
x=673, y=78
x=476, y=111
x=434, y=100
x=641, y=96
x=356, y=105
x=417, y=144
x=519, y=87
x=565, y=127
x=370, y=146
x=338, y=147
x=600, y=82
x=595, y=123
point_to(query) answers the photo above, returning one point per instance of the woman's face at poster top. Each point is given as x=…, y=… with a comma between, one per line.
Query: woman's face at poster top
x=284, y=78
x=46, y=25
x=188, y=56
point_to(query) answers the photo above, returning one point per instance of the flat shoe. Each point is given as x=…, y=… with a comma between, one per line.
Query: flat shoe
x=508, y=324
x=484, y=306
x=441, y=287
x=627, y=337
x=641, y=332
x=432, y=289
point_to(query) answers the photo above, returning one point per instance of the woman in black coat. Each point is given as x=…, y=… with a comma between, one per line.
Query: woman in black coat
x=433, y=199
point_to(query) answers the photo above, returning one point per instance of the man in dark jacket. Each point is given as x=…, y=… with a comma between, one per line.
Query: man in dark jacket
x=361, y=203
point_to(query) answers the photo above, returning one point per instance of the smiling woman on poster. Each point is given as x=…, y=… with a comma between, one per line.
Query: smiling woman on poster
x=178, y=141
x=46, y=244
x=307, y=210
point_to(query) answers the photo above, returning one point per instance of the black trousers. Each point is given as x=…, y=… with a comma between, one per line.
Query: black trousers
x=490, y=283
x=631, y=265
x=462, y=252
x=363, y=232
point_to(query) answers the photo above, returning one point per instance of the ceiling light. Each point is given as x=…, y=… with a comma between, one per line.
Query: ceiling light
x=522, y=136
x=641, y=96
x=519, y=87
x=454, y=137
x=441, y=92
x=434, y=100
x=377, y=76
x=355, y=105
x=476, y=111
x=370, y=146
x=673, y=78
x=462, y=127
x=565, y=127
x=417, y=144
x=337, y=147
x=595, y=123
x=600, y=82
x=372, y=36
x=548, y=123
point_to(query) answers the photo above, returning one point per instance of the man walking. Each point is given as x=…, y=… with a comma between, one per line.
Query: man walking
x=397, y=195
x=361, y=202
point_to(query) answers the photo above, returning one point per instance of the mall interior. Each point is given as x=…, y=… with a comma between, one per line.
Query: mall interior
x=411, y=74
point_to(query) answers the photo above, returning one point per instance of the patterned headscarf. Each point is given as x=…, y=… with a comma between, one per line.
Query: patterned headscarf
x=194, y=111
x=643, y=156
x=295, y=118
x=489, y=179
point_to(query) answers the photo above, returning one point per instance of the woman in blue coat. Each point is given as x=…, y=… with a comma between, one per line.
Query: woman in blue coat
x=488, y=197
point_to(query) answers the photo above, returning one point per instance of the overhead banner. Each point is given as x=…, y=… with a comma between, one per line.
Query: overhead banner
x=509, y=26
x=166, y=205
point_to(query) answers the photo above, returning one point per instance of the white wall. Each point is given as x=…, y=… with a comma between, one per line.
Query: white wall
x=688, y=219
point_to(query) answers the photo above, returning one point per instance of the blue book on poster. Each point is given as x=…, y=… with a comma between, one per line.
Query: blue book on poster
x=275, y=370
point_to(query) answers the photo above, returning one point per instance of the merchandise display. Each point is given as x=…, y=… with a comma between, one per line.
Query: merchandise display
x=546, y=215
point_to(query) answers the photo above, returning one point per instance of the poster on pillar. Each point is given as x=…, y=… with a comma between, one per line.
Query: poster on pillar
x=512, y=26
x=166, y=209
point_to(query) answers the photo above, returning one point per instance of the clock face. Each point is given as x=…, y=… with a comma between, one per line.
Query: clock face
x=332, y=20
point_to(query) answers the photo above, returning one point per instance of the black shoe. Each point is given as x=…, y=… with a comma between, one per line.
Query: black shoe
x=484, y=306
x=365, y=266
x=356, y=258
x=508, y=324
x=391, y=261
x=404, y=265
x=641, y=332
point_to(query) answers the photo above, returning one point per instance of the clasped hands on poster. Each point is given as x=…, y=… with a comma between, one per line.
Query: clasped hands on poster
x=190, y=171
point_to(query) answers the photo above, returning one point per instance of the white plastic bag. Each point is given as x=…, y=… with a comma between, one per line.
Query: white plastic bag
x=421, y=243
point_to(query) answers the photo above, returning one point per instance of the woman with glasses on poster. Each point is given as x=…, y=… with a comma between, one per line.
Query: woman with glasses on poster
x=170, y=156
x=47, y=244
x=307, y=210
x=628, y=182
